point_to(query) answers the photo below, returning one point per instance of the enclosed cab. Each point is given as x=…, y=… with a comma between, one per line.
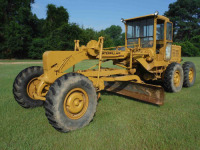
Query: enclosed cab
x=153, y=34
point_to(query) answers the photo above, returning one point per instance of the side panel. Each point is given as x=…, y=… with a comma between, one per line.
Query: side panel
x=62, y=60
x=176, y=54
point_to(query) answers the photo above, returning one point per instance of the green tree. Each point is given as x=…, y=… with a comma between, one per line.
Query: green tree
x=15, y=27
x=18, y=34
x=10, y=8
x=188, y=49
x=108, y=41
x=63, y=37
x=196, y=41
x=37, y=48
x=2, y=20
x=87, y=35
x=56, y=17
x=54, y=32
x=185, y=15
x=114, y=31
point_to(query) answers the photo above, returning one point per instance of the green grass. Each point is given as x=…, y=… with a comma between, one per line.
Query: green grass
x=119, y=123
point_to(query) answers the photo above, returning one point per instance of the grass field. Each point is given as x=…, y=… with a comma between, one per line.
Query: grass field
x=119, y=123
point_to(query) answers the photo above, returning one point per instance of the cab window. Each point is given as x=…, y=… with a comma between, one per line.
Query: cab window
x=140, y=28
x=169, y=31
x=160, y=30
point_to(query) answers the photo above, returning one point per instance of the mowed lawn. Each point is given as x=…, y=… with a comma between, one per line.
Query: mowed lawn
x=119, y=123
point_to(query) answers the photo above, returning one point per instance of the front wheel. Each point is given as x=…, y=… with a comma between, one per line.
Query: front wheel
x=71, y=102
x=24, y=87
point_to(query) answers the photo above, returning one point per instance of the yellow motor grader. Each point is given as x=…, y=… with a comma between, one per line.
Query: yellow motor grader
x=70, y=99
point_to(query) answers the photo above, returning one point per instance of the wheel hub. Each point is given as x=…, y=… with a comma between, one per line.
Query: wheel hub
x=191, y=75
x=31, y=87
x=177, y=78
x=76, y=103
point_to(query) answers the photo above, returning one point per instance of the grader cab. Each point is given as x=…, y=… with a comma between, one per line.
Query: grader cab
x=70, y=99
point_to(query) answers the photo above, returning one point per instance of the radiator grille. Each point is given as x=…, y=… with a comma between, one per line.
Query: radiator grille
x=175, y=53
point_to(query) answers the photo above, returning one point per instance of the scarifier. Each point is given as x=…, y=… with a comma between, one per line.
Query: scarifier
x=70, y=99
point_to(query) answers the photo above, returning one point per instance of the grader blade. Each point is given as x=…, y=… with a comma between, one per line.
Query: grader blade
x=145, y=92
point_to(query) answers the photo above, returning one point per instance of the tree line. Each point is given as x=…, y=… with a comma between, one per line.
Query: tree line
x=185, y=15
x=23, y=35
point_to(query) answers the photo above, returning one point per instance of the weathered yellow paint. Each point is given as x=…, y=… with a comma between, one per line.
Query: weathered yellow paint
x=104, y=72
x=135, y=78
x=191, y=75
x=151, y=15
x=176, y=54
x=130, y=59
x=31, y=87
x=76, y=103
x=177, y=78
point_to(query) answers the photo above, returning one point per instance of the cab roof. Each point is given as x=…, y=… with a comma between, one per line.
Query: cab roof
x=151, y=15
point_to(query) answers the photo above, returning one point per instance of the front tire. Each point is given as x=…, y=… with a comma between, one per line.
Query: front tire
x=27, y=77
x=173, y=78
x=70, y=102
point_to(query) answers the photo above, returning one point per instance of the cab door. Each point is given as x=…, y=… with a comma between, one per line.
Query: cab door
x=168, y=49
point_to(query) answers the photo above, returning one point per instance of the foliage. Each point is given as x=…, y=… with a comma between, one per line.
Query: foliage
x=56, y=17
x=196, y=41
x=23, y=35
x=188, y=49
x=18, y=34
x=114, y=31
x=63, y=37
x=17, y=29
x=185, y=15
x=87, y=35
x=37, y=48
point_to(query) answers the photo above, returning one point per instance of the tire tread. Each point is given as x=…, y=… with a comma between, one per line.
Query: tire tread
x=50, y=101
x=18, y=88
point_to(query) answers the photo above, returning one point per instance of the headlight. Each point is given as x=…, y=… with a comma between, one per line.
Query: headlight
x=156, y=13
x=168, y=51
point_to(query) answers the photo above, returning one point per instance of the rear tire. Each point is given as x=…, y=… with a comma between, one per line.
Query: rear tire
x=173, y=78
x=189, y=74
x=20, y=87
x=70, y=102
